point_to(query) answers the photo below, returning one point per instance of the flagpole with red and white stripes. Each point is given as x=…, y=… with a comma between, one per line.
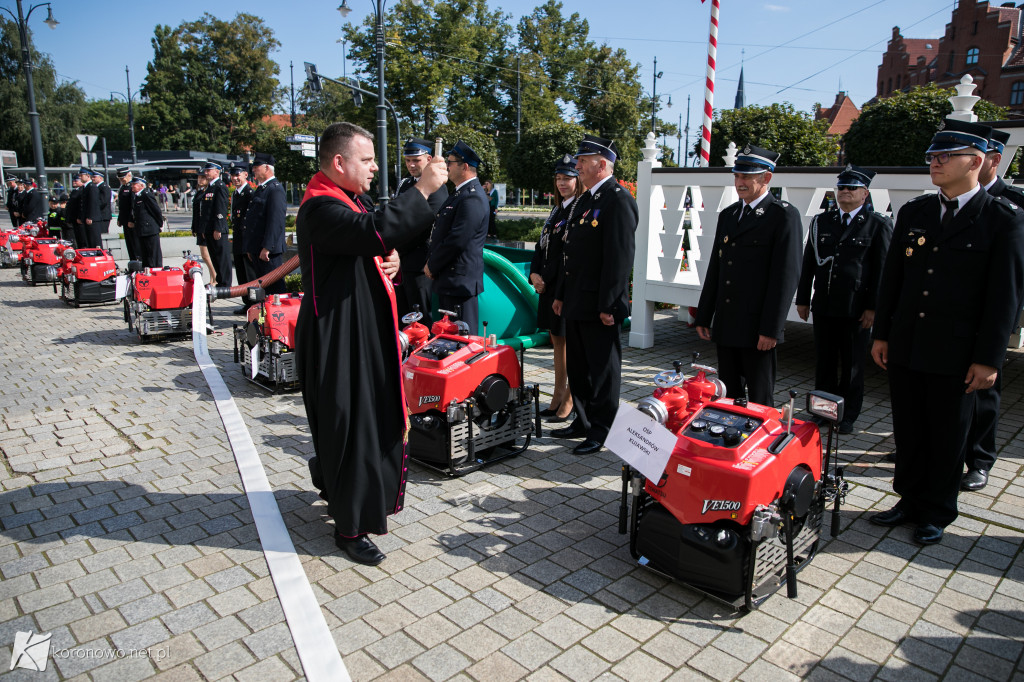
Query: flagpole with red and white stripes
x=709, y=87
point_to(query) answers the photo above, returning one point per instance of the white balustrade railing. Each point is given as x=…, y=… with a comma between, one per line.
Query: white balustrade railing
x=666, y=272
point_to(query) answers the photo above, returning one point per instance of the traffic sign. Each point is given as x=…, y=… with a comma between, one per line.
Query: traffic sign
x=87, y=141
x=300, y=138
x=295, y=147
x=302, y=147
x=309, y=152
x=8, y=158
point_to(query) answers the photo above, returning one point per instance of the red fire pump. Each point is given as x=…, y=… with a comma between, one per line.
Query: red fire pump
x=468, y=403
x=158, y=304
x=11, y=245
x=86, y=276
x=40, y=258
x=270, y=330
x=738, y=510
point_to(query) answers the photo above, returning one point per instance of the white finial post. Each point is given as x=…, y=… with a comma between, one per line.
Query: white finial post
x=730, y=155
x=963, y=102
x=650, y=150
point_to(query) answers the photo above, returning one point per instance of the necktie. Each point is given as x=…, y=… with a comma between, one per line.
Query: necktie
x=846, y=220
x=951, y=206
x=744, y=212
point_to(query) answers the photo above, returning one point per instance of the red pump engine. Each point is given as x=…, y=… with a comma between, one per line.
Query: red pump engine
x=86, y=276
x=11, y=245
x=270, y=329
x=158, y=304
x=738, y=510
x=40, y=257
x=466, y=397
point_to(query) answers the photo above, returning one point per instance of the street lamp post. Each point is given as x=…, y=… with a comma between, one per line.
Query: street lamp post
x=26, y=63
x=382, y=120
x=128, y=97
x=654, y=96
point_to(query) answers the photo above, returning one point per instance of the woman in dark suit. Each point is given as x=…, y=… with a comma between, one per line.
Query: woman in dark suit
x=545, y=270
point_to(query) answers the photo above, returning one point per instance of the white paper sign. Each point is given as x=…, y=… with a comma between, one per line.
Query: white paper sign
x=120, y=287
x=641, y=442
x=254, y=361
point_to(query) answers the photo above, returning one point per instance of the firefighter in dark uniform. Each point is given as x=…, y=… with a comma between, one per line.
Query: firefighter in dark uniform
x=592, y=295
x=215, y=223
x=980, y=453
x=949, y=299
x=240, y=198
x=100, y=227
x=415, y=286
x=456, y=253
x=33, y=203
x=12, y=193
x=89, y=214
x=19, y=200
x=265, y=222
x=125, y=201
x=148, y=221
x=73, y=212
x=845, y=252
x=751, y=278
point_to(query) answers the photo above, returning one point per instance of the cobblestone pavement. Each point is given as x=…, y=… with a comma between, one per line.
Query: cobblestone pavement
x=123, y=526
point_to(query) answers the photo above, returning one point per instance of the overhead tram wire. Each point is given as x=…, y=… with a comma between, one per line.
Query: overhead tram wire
x=872, y=46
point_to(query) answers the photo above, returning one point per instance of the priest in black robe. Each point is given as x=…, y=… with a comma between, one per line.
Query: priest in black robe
x=347, y=348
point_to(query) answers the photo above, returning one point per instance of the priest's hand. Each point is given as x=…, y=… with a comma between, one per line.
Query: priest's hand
x=391, y=264
x=434, y=175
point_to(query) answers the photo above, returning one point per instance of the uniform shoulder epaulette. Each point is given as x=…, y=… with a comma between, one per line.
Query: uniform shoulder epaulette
x=1006, y=204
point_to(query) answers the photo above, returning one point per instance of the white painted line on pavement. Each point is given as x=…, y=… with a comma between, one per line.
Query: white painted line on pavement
x=313, y=641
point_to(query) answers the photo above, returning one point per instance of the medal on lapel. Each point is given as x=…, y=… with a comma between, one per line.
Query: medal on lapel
x=593, y=223
x=920, y=241
x=725, y=239
x=910, y=252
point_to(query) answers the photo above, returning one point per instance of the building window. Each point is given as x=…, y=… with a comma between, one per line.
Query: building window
x=890, y=85
x=1017, y=93
x=881, y=87
x=898, y=80
x=952, y=60
x=972, y=56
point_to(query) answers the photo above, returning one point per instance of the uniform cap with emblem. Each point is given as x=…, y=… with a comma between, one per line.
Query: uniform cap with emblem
x=238, y=168
x=567, y=166
x=954, y=135
x=592, y=144
x=262, y=159
x=464, y=152
x=755, y=160
x=85, y=171
x=213, y=165
x=416, y=146
x=96, y=173
x=997, y=142
x=121, y=172
x=855, y=176
x=138, y=180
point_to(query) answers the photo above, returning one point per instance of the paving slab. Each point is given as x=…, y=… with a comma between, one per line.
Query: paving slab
x=124, y=528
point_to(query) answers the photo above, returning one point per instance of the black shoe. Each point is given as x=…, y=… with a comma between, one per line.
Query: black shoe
x=588, y=447
x=241, y=310
x=360, y=550
x=974, y=479
x=574, y=430
x=549, y=412
x=927, y=534
x=893, y=517
x=891, y=457
x=845, y=427
x=556, y=419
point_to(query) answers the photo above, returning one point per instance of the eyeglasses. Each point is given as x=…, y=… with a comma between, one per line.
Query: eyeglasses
x=848, y=187
x=942, y=158
x=449, y=162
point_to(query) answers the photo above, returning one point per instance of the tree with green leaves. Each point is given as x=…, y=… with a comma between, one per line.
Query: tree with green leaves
x=108, y=120
x=795, y=135
x=533, y=161
x=60, y=106
x=916, y=115
x=211, y=83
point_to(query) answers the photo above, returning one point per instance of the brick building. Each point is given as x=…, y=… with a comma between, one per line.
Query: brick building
x=980, y=39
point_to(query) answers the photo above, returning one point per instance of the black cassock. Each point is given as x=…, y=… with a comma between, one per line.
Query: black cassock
x=347, y=350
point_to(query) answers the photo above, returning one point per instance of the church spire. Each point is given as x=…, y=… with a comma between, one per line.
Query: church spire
x=740, y=101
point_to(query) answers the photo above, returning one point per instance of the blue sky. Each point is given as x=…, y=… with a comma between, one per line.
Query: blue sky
x=797, y=51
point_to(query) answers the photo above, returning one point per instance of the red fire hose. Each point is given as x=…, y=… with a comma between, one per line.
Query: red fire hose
x=271, y=277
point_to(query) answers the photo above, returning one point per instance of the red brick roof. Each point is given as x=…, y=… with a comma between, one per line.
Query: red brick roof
x=840, y=115
x=921, y=47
